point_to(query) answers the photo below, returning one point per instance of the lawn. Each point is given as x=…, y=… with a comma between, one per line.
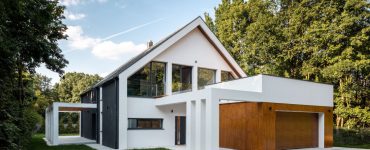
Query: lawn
x=37, y=143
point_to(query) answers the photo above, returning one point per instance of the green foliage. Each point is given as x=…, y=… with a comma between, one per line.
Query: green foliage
x=73, y=84
x=351, y=137
x=29, y=31
x=323, y=41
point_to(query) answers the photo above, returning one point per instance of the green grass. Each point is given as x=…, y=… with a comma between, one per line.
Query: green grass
x=364, y=146
x=37, y=143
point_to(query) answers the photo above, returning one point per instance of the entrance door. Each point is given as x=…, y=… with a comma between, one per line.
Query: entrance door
x=180, y=132
x=296, y=130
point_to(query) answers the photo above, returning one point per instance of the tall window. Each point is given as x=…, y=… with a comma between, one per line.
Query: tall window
x=148, y=81
x=181, y=78
x=150, y=123
x=205, y=77
x=226, y=76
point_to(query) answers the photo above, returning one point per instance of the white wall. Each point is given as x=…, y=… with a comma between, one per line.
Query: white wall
x=252, y=84
x=145, y=108
x=290, y=91
x=265, y=88
x=194, y=47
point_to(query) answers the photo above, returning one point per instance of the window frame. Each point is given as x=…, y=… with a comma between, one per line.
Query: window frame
x=137, y=119
x=229, y=73
x=191, y=78
x=214, y=77
x=150, y=79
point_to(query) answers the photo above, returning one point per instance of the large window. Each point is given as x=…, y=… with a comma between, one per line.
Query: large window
x=226, y=76
x=205, y=77
x=181, y=78
x=148, y=81
x=139, y=123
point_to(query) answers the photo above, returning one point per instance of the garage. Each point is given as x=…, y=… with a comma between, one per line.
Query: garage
x=296, y=130
x=274, y=126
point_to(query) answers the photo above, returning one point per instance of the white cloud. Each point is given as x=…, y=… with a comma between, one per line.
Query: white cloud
x=115, y=51
x=104, y=49
x=70, y=2
x=78, y=41
x=74, y=16
x=77, y=2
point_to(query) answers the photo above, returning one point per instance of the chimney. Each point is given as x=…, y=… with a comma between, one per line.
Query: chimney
x=149, y=44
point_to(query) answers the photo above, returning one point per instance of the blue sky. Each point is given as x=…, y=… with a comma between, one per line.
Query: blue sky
x=104, y=34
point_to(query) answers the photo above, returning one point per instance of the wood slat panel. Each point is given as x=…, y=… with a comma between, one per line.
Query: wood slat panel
x=251, y=125
x=296, y=130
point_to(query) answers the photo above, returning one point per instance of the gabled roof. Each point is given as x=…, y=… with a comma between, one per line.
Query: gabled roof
x=196, y=23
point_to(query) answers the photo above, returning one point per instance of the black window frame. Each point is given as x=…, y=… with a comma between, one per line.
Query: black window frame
x=150, y=81
x=137, y=119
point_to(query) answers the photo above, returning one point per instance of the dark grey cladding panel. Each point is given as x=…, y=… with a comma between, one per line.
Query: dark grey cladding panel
x=110, y=114
x=88, y=123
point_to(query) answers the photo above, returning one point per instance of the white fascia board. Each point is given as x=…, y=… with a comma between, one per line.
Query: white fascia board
x=221, y=47
x=74, y=105
x=183, y=97
x=292, y=91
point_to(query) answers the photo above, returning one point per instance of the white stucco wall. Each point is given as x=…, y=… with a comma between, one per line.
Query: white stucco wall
x=290, y=91
x=252, y=84
x=194, y=47
x=146, y=108
x=265, y=88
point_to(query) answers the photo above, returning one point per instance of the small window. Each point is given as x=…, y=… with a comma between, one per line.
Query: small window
x=138, y=123
x=226, y=76
x=206, y=77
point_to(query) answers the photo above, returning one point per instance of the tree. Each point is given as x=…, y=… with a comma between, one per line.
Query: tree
x=324, y=41
x=29, y=31
x=73, y=84
x=44, y=94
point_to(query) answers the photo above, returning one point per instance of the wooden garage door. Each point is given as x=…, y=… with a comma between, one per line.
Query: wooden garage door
x=296, y=130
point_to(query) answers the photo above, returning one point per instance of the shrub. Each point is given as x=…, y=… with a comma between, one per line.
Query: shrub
x=351, y=136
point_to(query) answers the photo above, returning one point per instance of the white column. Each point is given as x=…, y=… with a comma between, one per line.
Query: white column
x=122, y=112
x=46, y=124
x=218, y=75
x=101, y=115
x=199, y=124
x=212, y=124
x=190, y=125
x=169, y=78
x=194, y=78
x=55, y=124
x=321, y=130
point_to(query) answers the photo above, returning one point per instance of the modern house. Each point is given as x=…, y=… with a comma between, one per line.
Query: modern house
x=187, y=90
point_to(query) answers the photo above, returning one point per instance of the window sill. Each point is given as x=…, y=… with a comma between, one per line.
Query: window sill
x=144, y=129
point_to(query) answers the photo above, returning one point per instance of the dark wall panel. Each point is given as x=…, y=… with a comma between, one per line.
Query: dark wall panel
x=110, y=114
x=88, y=124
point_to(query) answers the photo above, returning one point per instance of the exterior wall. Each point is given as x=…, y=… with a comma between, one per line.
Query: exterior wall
x=266, y=88
x=194, y=49
x=145, y=108
x=290, y=91
x=251, y=125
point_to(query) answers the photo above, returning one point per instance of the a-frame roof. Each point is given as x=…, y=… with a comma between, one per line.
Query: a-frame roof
x=196, y=23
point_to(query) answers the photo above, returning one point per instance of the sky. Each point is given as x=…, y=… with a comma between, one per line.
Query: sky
x=104, y=34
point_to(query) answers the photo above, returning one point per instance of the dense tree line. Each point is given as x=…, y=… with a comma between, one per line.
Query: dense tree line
x=319, y=40
x=29, y=32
